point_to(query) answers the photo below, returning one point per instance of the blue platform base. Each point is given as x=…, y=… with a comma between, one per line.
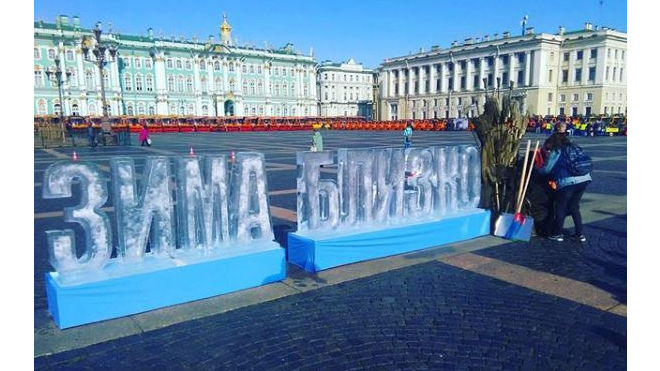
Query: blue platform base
x=122, y=290
x=314, y=253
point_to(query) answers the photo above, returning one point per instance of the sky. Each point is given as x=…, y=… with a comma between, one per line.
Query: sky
x=368, y=31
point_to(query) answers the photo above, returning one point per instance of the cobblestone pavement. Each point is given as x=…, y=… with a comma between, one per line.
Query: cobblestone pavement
x=431, y=315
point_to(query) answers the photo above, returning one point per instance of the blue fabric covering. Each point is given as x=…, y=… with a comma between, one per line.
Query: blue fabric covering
x=73, y=305
x=315, y=254
x=507, y=227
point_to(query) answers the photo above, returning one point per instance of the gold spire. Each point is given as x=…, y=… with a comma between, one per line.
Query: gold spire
x=225, y=28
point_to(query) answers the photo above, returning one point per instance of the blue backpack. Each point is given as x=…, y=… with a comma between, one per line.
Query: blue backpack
x=576, y=161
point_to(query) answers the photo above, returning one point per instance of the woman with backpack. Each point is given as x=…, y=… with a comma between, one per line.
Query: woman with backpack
x=570, y=168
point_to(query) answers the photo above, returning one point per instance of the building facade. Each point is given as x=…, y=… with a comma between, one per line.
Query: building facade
x=345, y=89
x=158, y=76
x=574, y=73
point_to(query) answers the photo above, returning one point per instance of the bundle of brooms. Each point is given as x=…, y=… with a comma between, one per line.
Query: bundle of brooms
x=504, y=183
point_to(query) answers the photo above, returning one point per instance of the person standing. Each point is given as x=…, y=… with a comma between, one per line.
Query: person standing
x=407, y=136
x=144, y=136
x=570, y=168
x=317, y=141
x=91, y=133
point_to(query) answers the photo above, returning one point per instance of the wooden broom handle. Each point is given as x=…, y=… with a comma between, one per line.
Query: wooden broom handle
x=529, y=175
x=522, y=176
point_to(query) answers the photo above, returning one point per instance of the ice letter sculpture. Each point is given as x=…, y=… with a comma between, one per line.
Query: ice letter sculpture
x=420, y=166
x=446, y=190
x=136, y=211
x=202, y=202
x=318, y=199
x=249, y=209
x=470, y=179
x=58, y=179
x=390, y=180
x=355, y=173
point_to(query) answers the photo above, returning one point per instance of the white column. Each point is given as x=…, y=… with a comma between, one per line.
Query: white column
x=161, y=85
x=469, y=80
x=443, y=87
x=455, y=78
x=528, y=67
x=197, y=84
x=496, y=71
x=432, y=78
x=422, y=81
x=512, y=57
x=482, y=72
x=81, y=71
x=585, y=66
x=267, y=81
x=225, y=75
x=401, y=88
x=239, y=80
x=410, y=82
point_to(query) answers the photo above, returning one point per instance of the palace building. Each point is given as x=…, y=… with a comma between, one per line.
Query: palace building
x=573, y=73
x=153, y=75
x=345, y=89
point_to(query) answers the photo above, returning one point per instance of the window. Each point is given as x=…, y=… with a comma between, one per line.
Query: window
x=202, y=65
x=284, y=88
x=89, y=79
x=578, y=55
x=188, y=65
x=305, y=89
x=623, y=54
x=191, y=108
x=614, y=74
x=277, y=71
x=170, y=83
x=37, y=53
x=251, y=68
x=609, y=53
x=253, y=90
x=462, y=82
x=621, y=75
x=138, y=83
x=521, y=78
x=204, y=83
x=51, y=54
x=179, y=83
x=592, y=73
x=244, y=69
x=293, y=90
x=616, y=54
x=550, y=76
x=245, y=88
x=169, y=63
x=149, y=82
x=38, y=79
x=575, y=97
x=259, y=70
x=562, y=97
x=138, y=63
x=505, y=79
x=41, y=107
x=106, y=79
x=75, y=110
x=594, y=53
x=147, y=63
x=567, y=56
x=231, y=67
x=521, y=58
x=73, y=78
x=179, y=65
x=218, y=84
x=460, y=101
x=189, y=84
x=284, y=74
x=490, y=80
x=549, y=97
x=216, y=66
x=260, y=88
x=69, y=55
x=578, y=74
x=505, y=59
x=562, y=110
x=151, y=110
x=128, y=82
x=589, y=97
x=232, y=86
x=91, y=109
x=607, y=73
x=140, y=108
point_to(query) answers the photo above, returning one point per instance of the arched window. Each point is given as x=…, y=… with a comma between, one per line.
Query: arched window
x=191, y=108
x=251, y=68
x=138, y=82
x=106, y=79
x=75, y=110
x=218, y=84
x=286, y=111
x=179, y=65
x=277, y=111
x=151, y=110
x=149, y=82
x=147, y=63
x=202, y=65
x=284, y=88
x=51, y=54
x=204, y=83
x=252, y=88
x=73, y=78
x=232, y=86
x=172, y=108
x=245, y=88
x=89, y=79
x=138, y=62
x=216, y=66
x=188, y=65
x=306, y=111
x=129, y=109
x=277, y=90
x=91, y=109
x=69, y=55
x=182, y=109
x=254, y=111
x=37, y=53
x=169, y=63
x=260, y=88
x=38, y=79
x=140, y=108
x=179, y=83
x=189, y=84
x=293, y=111
x=128, y=82
x=244, y=69
x=261, y=110
x=259, y=70
x=293, y=89
x=205, y=110
x=41, y=107
x=284, y=74
x=170, y=83
x=231, y=67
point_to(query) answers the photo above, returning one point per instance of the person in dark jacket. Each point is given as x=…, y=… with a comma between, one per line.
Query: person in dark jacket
x=570, y=188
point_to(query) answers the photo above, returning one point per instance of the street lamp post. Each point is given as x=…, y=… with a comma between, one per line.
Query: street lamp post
x=98, y=48
x=57, y=73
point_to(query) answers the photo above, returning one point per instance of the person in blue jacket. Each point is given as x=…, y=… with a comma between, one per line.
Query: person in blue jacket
x=570, y=188
x=407, y=136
